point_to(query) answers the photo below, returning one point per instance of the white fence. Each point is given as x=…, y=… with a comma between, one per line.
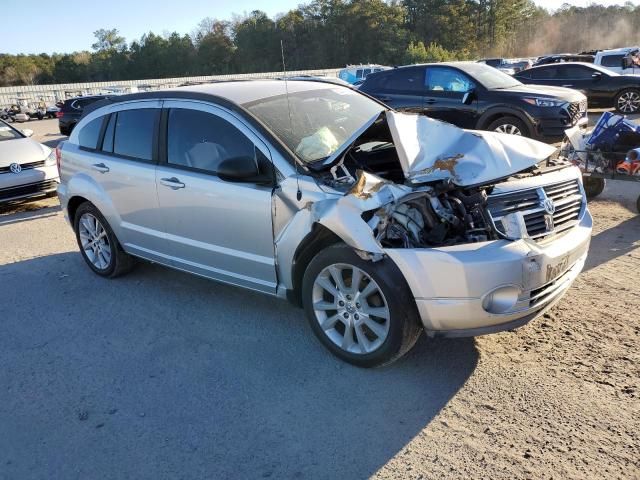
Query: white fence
x=53, y=93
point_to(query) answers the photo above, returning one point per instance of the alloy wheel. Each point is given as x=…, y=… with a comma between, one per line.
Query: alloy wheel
x=629, y=102
x=95, y=241
x=508, y=128
x=350, y=308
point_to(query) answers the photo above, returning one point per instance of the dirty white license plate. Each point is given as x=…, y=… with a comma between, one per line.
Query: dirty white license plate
x=554, y=271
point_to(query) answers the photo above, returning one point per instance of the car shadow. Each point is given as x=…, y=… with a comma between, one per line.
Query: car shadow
x=613, y=243
x=163, y=374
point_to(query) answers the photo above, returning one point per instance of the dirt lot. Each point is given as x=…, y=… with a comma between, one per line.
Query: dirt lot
x=164, y=375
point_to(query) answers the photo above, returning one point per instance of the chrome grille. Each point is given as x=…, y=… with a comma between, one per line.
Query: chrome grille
x=576, y=110
x=567, y=199
x=24, y=166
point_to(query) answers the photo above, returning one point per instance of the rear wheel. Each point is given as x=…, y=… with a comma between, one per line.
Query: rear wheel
x=509, y=124
x=98, y=244
x=627, y=101
x=362, y=311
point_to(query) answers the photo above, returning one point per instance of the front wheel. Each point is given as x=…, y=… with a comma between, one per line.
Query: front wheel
x=509, y=124
x=362, y=311
x=593, y=186
x=627, y=101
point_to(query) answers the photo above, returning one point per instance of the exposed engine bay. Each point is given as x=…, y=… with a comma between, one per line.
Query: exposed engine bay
x=433, y=211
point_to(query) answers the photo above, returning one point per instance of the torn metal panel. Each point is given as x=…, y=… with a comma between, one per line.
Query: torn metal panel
x=342, y=214
x=430, y=150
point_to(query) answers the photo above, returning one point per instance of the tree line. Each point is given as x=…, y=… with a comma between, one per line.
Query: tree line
x=333, y=33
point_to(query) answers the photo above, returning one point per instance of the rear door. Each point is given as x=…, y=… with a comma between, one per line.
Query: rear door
x=215, y=228
x=445, y=88
x=123, y=163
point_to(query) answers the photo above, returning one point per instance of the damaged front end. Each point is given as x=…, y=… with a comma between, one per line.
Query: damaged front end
x=408, y=181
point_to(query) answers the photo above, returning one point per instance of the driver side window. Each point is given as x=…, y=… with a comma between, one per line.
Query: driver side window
x=201, y=141
x=444, y=79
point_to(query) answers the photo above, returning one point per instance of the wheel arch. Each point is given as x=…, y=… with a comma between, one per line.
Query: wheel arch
x=494, y=114
x=319, y=238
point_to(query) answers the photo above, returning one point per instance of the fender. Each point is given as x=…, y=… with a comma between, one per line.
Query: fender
x=82, y=185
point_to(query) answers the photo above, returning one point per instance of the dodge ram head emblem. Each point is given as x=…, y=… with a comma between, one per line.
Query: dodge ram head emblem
x=15, y=168
x=548, y=206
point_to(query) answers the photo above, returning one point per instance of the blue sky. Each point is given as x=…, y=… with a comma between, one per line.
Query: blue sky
x=69, y=25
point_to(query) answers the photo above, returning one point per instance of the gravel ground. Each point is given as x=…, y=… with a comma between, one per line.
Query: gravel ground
x=164, y=375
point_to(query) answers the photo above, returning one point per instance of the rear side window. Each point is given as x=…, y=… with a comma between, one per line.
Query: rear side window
x=134, y=133
x=201, y=140
x=576, y=72
x=612, y=60
x=89, y=134
x=546, y=73
x=406, y=80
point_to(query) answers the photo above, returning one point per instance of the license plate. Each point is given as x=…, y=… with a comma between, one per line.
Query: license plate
x=554, y=271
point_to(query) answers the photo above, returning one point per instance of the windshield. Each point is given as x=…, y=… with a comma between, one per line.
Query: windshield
x=8, y=133
x=321, y=119
x=490, y=77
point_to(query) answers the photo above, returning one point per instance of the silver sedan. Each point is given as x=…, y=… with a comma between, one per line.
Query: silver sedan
x=27, y=168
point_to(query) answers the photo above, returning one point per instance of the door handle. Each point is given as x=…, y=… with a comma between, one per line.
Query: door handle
x=100, y=167
x=569, y=85
x=172, y=182
x=429, y=101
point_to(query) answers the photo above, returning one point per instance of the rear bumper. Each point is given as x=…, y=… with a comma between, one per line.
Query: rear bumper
x=452, y=286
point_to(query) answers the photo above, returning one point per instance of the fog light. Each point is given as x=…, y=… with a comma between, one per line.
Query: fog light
x=501, y=300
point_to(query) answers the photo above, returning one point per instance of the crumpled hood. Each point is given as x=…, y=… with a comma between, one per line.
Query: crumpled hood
x=21, y=150
x=430, y=150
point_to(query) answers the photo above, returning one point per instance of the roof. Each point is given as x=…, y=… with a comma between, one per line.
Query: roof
x=618, y=51
x=247, y=91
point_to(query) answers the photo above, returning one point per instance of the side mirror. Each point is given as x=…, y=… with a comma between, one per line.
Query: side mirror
x=245, y=169
x=27, y=132
x=468, y=97
x=596, y=76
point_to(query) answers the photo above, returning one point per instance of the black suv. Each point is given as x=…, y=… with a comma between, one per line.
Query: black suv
x=476, y=96
x=71, y=111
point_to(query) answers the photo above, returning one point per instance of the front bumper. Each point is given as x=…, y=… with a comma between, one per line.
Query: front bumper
x=451, y=284
x=30, y=183
x=550, y=126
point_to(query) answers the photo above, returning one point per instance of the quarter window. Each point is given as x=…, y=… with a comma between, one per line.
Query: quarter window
x=88, y=136
x=201, y=140
x=134, y=133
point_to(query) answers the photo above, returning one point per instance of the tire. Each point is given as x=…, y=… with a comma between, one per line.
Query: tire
x=372, y=339
x=638, y=204
x=117, y=262
x=593, y=186
x=627, y=101
x=65, y=131
x=509, y=124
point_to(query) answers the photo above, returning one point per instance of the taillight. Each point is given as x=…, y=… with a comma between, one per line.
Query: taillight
x=59, y=156
x=59, y=114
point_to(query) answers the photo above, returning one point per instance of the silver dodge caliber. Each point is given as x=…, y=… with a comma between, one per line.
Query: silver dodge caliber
x=380, y=224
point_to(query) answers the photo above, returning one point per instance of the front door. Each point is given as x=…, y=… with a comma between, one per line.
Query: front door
x=445, y=88
x=215, y=228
